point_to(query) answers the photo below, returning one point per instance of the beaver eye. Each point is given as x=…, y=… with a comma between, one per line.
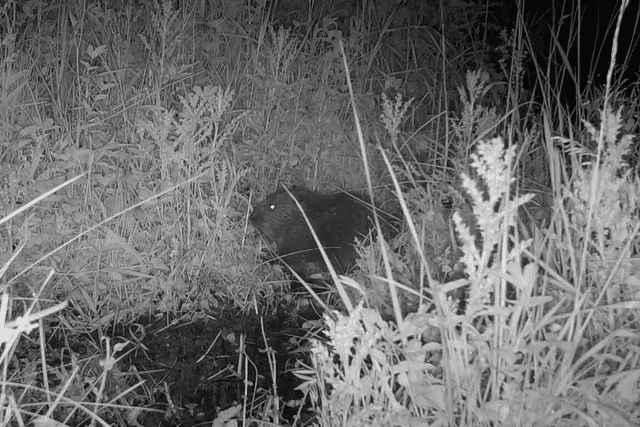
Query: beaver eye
x=272, y=207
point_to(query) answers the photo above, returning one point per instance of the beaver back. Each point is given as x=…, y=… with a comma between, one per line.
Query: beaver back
x=337, y=219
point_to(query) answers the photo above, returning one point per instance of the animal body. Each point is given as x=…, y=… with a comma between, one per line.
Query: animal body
x=337, y=218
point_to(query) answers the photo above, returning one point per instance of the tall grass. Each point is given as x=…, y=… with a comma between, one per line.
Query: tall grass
x=547, y=320
x=516, y=305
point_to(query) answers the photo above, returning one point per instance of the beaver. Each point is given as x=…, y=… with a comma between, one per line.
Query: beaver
x=337, y=218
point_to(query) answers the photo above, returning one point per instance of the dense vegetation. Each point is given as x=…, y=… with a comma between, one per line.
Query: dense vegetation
x=135, y=136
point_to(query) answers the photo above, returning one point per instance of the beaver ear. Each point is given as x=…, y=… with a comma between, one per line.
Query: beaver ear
x=282, y=188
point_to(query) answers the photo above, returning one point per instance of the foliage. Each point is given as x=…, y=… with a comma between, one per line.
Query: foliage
x=507, y=295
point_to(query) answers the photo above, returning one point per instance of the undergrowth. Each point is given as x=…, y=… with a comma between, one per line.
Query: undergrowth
x=134, y=139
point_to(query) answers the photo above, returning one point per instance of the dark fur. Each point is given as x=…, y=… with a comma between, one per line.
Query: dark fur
x=337, y=219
